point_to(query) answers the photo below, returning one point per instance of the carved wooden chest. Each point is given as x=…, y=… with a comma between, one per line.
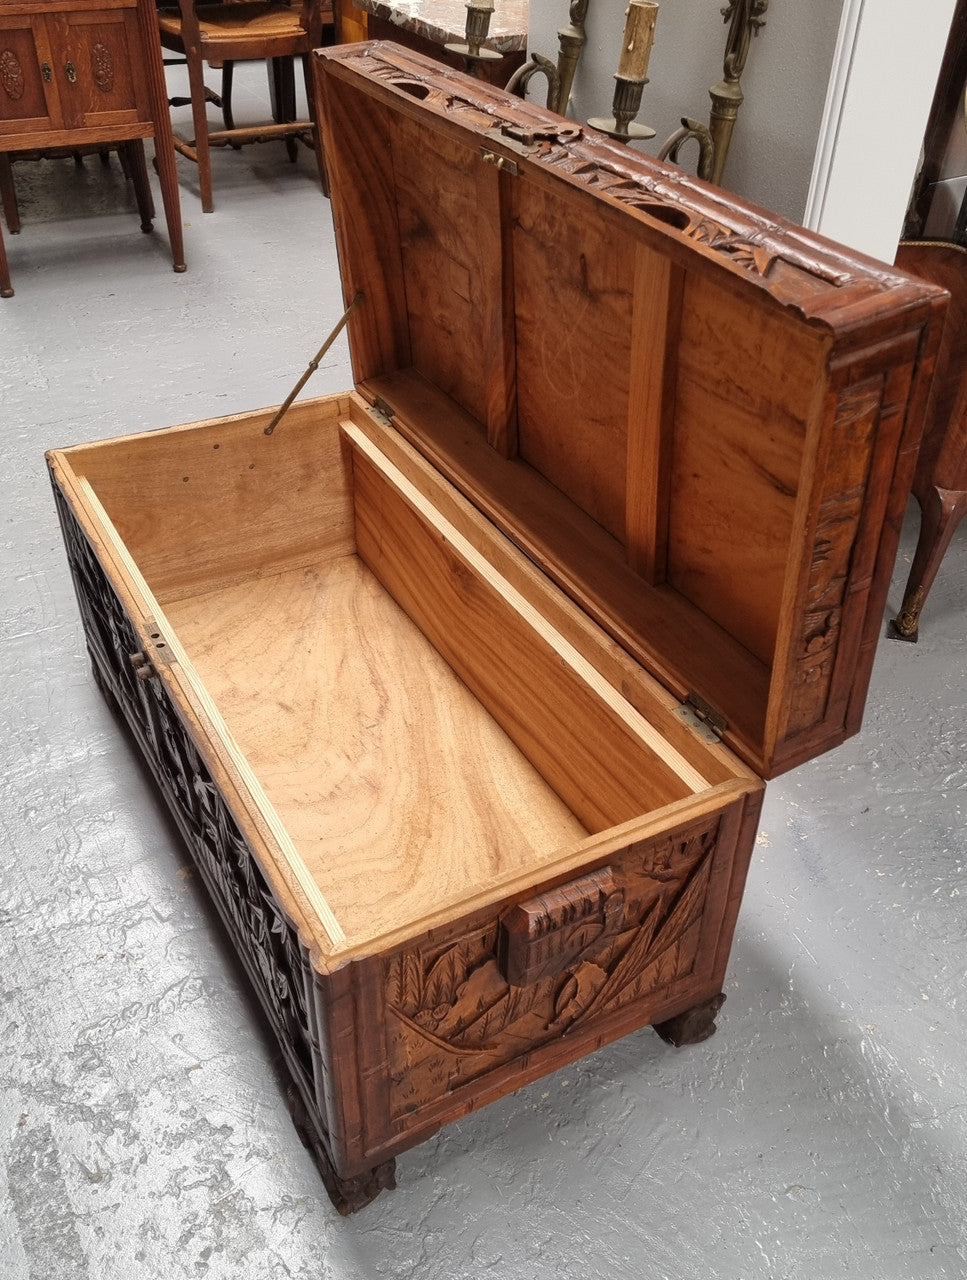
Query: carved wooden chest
x=462, y=686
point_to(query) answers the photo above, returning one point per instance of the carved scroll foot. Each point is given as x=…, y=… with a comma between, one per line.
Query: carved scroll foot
x=347, y=1194
x=694, y=1025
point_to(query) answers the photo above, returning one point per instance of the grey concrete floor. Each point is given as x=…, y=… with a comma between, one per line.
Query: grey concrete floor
x=821, y=1133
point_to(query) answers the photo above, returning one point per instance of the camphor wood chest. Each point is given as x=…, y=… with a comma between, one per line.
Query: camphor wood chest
x=414, y=671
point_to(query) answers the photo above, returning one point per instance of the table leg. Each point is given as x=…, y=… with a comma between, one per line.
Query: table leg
x=941, y=512
x=164, y=158
x=136, y=169
x=6, y=288
x=8, y=195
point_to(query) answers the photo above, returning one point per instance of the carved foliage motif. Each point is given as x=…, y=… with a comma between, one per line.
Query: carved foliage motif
x=454, y=1016
x=102, y=67
x=748, y=252
x=656, y=198
x=263, y=935
x=11, y=75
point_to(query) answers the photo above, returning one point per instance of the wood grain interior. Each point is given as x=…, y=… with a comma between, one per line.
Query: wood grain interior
x=221, y=501
x=600, y=755
x=574, y=299
x=746, y=394
x=667, y=421
x=420, y=730
x=399, y=791
x=451, y=261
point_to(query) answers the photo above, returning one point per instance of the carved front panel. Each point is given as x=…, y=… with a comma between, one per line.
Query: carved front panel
x=104, y=47
x=453, y=1015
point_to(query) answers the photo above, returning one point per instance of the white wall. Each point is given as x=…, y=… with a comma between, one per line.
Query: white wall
x=884, y=73
x=784, y=83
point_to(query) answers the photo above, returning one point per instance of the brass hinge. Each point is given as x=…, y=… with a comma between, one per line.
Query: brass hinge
x=703, y=718
x=382, y=410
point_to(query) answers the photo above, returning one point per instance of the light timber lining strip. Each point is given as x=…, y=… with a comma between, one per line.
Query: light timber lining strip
x=635, y=721
x=289, y=852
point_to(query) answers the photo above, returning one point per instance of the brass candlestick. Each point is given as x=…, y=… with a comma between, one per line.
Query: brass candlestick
x=625, y=105
x=477, y=28
x=560, y=76
x=631, y=76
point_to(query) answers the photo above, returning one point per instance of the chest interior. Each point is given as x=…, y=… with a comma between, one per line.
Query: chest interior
x=422, y=713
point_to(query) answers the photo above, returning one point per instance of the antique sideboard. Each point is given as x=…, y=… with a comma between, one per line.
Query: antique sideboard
x=79, y=72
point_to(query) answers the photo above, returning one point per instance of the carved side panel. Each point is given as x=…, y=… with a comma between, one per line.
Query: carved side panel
x=837, y=529
x=265, y=938
x=453, y=1016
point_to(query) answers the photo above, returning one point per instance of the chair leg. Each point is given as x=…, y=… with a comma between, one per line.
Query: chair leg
x=282, y=97
x=228, y=77
x=282, y=89
x=132, y=155
x=199, y=116
x=8, y=195
x=941, y=512
x=316, y=130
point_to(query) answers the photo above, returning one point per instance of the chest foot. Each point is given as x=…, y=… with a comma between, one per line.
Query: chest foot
x=694, y=1025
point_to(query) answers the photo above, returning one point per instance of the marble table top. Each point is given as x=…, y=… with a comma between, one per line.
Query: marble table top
x=444, y=21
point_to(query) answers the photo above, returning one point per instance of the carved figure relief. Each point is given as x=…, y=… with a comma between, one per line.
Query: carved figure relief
x=102, y=67
x=837, y=528
x=454, y=1015
x=11, y=75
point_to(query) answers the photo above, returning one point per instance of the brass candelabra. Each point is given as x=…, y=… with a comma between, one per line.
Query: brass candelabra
x=745, y=19
x=479, y=13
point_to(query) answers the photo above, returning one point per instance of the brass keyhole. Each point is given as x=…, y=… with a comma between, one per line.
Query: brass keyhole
x=46, y=72
x=71, y=72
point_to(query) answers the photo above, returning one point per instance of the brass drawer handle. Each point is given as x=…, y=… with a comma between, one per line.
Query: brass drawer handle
x=71, y=72
x=46, y=72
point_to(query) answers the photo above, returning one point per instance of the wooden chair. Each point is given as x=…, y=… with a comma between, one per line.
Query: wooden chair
x=940, y=480
x=239, y=31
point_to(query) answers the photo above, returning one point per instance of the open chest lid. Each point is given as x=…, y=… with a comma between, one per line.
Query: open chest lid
x=699, y=420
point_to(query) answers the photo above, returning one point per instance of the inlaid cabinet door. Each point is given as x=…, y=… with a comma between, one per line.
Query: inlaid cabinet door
x=100, y=86
x=29, y=100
